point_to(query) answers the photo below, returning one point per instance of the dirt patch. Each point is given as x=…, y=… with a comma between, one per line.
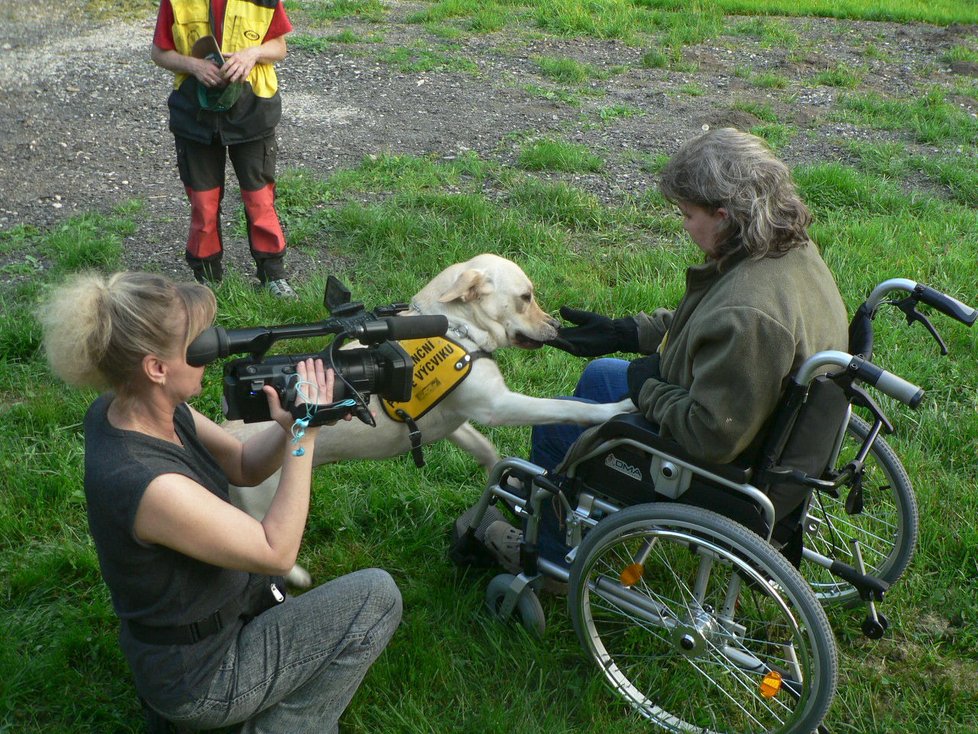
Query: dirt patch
x=83, y=121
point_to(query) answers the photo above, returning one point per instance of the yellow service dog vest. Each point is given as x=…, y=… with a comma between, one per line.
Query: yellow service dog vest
x=440, y=365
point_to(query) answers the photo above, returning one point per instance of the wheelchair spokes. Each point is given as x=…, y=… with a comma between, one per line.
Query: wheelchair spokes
x=886, y=526
x=704, y=640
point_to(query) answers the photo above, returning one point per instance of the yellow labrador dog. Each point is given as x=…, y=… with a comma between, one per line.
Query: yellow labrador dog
x=489, y=304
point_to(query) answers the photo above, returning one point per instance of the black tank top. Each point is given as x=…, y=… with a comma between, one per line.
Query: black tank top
x=152, y=584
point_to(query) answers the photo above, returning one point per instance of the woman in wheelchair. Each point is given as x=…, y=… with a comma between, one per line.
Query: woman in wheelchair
x=760, y=303
x=744, y=425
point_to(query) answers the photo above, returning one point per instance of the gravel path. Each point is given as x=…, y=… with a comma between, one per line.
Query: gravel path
x=83, y=122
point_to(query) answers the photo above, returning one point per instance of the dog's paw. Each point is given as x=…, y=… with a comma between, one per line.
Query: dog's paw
x=625, y=406
x=298, y=578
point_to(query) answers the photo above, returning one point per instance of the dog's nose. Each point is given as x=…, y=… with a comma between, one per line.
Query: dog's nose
x=552, y=322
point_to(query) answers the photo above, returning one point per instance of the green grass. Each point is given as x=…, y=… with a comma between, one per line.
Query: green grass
x=905, y=207
x=770, y=32
x=479, y=17
x=324, y=12
x=761, y=110
x=840, y=76
x=566, y=71
x=769, y=80
x=777, y=136
x=553, y=95
x=612, y=112
x=961, y=53
x=930, y=118
x=392, y=222
x=418, y=58
x=941, y=11
x=558, y=155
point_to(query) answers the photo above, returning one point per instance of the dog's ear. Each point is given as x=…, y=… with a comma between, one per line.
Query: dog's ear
x=469, y=286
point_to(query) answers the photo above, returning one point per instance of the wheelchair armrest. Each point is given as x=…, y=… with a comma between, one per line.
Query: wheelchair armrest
x=637, y=428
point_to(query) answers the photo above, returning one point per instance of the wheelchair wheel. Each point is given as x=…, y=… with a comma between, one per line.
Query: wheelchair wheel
x=528, y=605
x=886, y=528
x=700, y=625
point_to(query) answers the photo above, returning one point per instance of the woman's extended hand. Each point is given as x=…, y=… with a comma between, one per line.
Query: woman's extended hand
x=594, y=335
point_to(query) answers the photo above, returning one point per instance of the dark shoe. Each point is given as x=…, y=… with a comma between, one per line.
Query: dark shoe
x=208, y=273
x=470, y=550
x=503, y=541
x=461, y=525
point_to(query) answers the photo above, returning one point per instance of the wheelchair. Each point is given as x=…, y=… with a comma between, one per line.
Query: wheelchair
x=696, y=587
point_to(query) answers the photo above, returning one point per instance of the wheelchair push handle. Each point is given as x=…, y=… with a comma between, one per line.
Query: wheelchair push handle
x=860, y=331
x=887, y=382
x=947, y=305
x=893, y=385
x=920, y=293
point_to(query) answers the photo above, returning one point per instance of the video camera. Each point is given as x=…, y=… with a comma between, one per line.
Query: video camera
x=382, y=367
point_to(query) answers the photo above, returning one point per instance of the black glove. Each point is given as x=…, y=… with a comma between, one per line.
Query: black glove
x=640, y=370
x=595, y=335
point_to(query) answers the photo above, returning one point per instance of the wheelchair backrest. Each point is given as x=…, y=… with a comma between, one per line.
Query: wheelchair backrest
x=807, y=442
x=626, y=461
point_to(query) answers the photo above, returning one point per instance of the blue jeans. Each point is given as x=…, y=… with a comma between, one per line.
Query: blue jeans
x=296, y=667
x=603, y=381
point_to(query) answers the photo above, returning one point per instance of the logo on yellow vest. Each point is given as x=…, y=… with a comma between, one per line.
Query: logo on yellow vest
x=440, y=365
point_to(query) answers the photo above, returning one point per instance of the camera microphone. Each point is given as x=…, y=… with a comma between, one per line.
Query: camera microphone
x=397, y=328
x=216, y=342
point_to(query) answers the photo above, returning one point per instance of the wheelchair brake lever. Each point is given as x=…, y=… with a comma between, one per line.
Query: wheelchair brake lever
x=854, y=503
x=909, y=307
x=858, y=396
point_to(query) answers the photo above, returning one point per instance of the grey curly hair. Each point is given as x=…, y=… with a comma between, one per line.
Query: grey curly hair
x=737, y=171
x=98, y=328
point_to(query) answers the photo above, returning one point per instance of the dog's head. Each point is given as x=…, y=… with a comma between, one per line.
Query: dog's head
x=493, y=295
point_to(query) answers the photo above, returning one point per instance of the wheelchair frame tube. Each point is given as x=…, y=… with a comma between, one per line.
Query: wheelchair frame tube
x=879, y=292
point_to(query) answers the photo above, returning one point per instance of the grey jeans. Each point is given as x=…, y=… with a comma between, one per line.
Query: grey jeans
x=295, y=668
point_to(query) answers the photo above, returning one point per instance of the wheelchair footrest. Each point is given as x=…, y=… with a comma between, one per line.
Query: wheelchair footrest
x=870, y=588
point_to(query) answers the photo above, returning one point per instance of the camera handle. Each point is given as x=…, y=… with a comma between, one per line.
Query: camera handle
x=318, y=414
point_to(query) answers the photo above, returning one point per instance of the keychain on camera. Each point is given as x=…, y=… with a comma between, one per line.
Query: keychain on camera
x=302, y=423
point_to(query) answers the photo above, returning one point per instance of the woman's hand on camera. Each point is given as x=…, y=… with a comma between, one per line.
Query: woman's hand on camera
x=315, y=386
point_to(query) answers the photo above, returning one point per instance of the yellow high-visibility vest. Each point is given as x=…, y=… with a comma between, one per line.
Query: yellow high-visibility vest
x=245, y=25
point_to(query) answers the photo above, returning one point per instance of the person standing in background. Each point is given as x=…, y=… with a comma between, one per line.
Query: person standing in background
x=225, y=103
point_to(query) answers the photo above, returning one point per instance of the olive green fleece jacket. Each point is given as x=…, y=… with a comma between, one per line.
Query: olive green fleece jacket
x=730, y=347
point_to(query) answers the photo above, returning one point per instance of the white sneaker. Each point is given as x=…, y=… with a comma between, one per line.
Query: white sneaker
x=280, y=289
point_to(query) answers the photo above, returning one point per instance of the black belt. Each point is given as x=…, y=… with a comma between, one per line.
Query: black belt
x=188, y=634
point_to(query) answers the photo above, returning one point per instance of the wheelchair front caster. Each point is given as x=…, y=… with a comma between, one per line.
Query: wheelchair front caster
x=499, y=595
x=874, y=629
